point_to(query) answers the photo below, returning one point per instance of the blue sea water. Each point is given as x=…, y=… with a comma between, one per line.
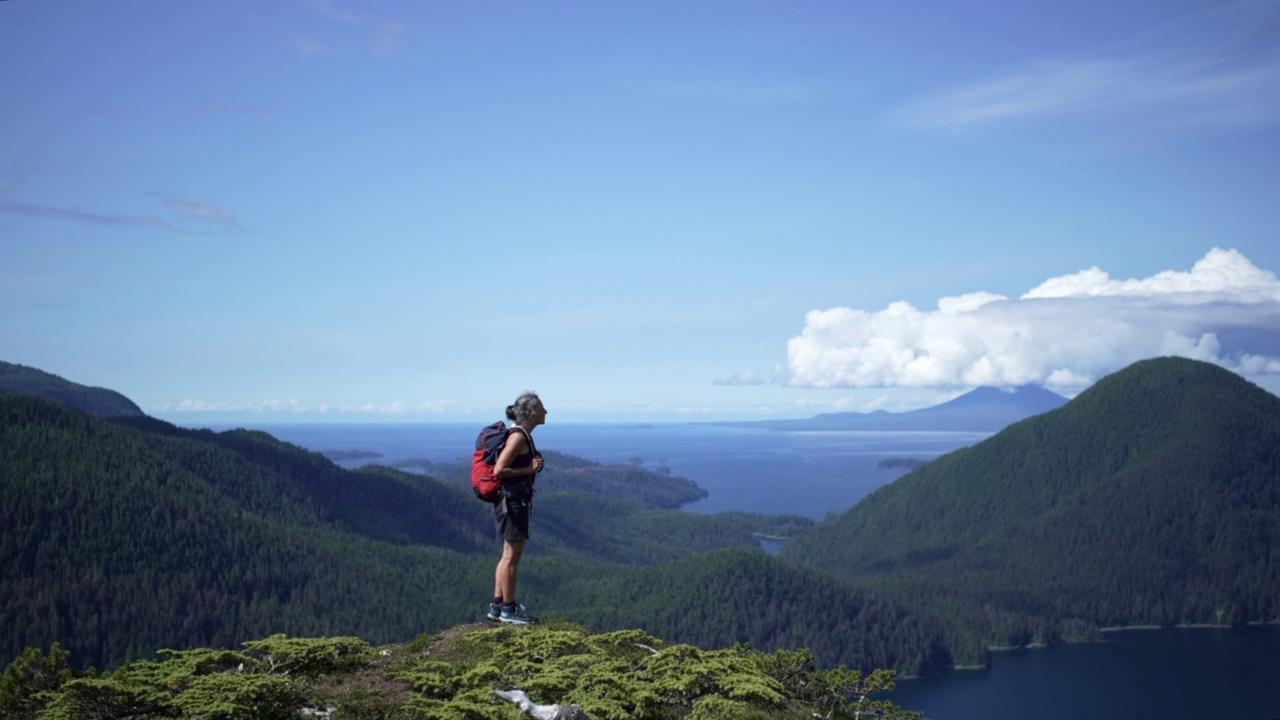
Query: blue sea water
x=1180, y=674
x=1171, y=674
x=745, y=469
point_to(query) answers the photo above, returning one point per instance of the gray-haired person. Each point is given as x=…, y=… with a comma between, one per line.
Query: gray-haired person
x=516, y=467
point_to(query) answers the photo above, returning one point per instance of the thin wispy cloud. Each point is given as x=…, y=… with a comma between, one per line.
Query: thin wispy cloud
x=183, y=208
x=1065, y=333
x=106, y=219
x=201, y=211
x=294, y=406
x=1217, y=71
x=1169, y=92
x=372, y=35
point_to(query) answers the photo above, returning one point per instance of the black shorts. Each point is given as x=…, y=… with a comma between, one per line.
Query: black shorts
x=512, y=516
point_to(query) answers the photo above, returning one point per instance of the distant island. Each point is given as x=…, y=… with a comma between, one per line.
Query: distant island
x=985, y=409
x=344, y=455
x=908, y=463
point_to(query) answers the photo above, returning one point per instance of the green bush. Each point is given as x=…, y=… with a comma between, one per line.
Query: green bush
x=624, y=675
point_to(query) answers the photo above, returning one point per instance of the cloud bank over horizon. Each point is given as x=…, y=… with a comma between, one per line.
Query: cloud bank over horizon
x=298, y=407
x=1065, y=334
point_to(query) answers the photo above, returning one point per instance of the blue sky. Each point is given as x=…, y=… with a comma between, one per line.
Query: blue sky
x=373, y=212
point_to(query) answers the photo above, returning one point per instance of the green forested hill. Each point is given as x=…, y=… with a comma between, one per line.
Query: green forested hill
x=98, y=402
x=119, y=537
x=1151, y=498
x=116, y=541
x=749, y=595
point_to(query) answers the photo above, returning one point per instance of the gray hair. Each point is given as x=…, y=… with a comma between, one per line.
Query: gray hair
x=522, y=409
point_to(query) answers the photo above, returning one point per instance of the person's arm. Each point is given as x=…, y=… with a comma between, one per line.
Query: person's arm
x=516, y=444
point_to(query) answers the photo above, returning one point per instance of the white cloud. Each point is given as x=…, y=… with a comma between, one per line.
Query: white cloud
x=747, y=377
x=1220, y=271
x=1065, y=333
x=965, y=303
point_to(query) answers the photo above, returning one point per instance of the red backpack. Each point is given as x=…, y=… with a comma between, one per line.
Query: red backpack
x=488, y=445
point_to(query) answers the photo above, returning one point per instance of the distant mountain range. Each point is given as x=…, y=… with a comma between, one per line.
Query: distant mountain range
x=984, y=409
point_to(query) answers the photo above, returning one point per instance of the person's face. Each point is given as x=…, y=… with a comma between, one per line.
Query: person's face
x=539, y=413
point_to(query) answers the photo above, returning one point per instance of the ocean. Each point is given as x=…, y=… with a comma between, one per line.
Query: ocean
x=742, y=468
x=1169, y=674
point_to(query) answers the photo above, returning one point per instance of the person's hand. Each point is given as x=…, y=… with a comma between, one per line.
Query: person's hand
x=537, y=463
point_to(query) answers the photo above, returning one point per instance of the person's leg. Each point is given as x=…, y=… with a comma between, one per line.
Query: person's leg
x=504, y=581
x=513, y=528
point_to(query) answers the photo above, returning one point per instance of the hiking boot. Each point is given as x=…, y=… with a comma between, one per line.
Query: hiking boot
x=495, y=611
x=516, y=616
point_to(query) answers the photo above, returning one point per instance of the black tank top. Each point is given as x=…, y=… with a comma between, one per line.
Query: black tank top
x=523, y=485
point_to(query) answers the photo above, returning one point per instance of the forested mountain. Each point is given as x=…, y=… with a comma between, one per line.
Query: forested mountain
x=121, y=536
x=749, y=595
x=98, y=402
x=116, y=541
x=1151, y=498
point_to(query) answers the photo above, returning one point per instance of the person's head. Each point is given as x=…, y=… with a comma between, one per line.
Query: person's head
x=527, y=410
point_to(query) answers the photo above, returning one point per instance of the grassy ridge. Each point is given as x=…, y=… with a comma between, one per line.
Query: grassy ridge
x=627, y=675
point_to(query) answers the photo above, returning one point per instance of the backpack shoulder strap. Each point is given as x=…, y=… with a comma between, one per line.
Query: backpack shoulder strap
x=527, y=436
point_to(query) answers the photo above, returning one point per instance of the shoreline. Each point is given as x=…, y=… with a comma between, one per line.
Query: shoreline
x=1188, y=626
x=1113, y=629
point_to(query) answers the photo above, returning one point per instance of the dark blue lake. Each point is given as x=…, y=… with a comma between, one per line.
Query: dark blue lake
x=1180, y=674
